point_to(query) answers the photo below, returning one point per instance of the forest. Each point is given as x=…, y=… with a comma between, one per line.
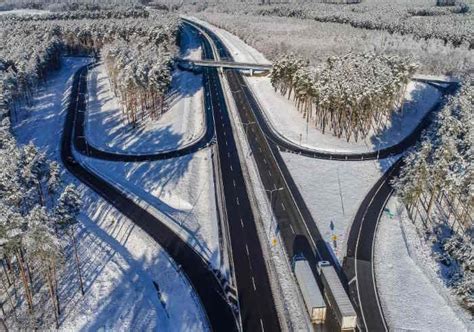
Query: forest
x=352, y=95
x=436, y=187
x=38, y=212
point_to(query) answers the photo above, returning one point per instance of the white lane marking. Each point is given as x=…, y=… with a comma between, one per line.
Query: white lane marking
x=253, y=282
x=352, y=280
x=247, y=249
x=226, y=143
x=237, y=200
x=233, y=181
x=261, y=325
x=259, y=149
x=265, y=161
x=228, y=154
x=292, y=230
x=241, y=223
x=283, y=206
x=269, y=173
x=231, y=168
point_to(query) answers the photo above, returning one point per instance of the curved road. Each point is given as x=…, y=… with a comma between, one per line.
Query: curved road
x=83, y=146
x=295, y=222
x=207, y=286
x=257, y=309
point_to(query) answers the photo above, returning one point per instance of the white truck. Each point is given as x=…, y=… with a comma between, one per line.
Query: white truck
x=337, y=297
x=312, y=296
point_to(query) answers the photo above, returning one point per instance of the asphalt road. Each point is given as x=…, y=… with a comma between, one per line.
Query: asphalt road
x=82, y=145
x=207, y=286
x=294, y=221
x=257, y=308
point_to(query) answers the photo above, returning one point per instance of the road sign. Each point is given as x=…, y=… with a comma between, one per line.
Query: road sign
x=389, y=213
x=274, y=241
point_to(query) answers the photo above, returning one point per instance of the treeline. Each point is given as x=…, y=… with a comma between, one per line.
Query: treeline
x=352, y=95
x=140, y=73
x=455, y=28
x=118, y=13
x=67, y=5
x=38, y=219
x=435, y=185
x=32, y=49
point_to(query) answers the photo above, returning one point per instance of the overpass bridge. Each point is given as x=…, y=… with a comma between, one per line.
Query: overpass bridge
x=252, y=67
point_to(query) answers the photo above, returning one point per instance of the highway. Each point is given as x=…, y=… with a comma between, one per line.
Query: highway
x=257, y=309
x=295, y=223
x=207, y=286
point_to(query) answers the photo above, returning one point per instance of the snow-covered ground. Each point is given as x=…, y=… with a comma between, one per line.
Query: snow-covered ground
x=289, y=123
x=107, y=127
x=412, y=295
x=333, y=192
x=24, y=12
x=181, y=189
x=119, y=261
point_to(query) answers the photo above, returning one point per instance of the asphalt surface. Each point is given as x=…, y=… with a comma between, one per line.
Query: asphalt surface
x=82, y=145
x=207, y=286
x=257, y=308
x=294, y=221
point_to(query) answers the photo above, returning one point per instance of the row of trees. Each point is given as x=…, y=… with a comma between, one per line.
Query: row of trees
x=38, y=213
x=140, y=73
x=141, y=50
x=454, y=27
x=38, y=217
x=435, y=184
x=351, y=95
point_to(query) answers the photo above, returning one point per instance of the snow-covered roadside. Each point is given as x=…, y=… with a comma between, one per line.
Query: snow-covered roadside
x=289, y=123
x=333, y=191
x=411, y=293
x=107, y=127
x=180, y=189
x=119, y=261
x=288, y=299
x=21, y=12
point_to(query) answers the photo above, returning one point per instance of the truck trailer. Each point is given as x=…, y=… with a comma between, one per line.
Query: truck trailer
x=312, y=296
x=337, y=297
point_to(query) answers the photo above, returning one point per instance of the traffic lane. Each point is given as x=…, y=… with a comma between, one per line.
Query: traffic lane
x=258, y=310
x=206, y=285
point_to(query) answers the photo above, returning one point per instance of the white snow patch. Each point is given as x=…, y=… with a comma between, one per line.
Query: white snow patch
x=119, y=261
x=289, y=123
x=20, y=12
x=411, y=298
x=108, y=129
x=333, y=191
x=179, y=188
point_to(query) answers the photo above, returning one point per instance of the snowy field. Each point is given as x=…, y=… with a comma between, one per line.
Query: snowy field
x=289, y=123
x=107, y=127
x=24, y=12
x=180, y=188
x=333, y=191
x=412, y=296
x=120, y=261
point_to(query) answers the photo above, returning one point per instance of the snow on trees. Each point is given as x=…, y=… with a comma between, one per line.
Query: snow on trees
x=31, y=245
x=435, y=185
x=349, y=95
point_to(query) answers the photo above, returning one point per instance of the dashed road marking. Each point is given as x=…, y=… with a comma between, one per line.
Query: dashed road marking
x=292, y=230
x=247, y=249
x=253, y=282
